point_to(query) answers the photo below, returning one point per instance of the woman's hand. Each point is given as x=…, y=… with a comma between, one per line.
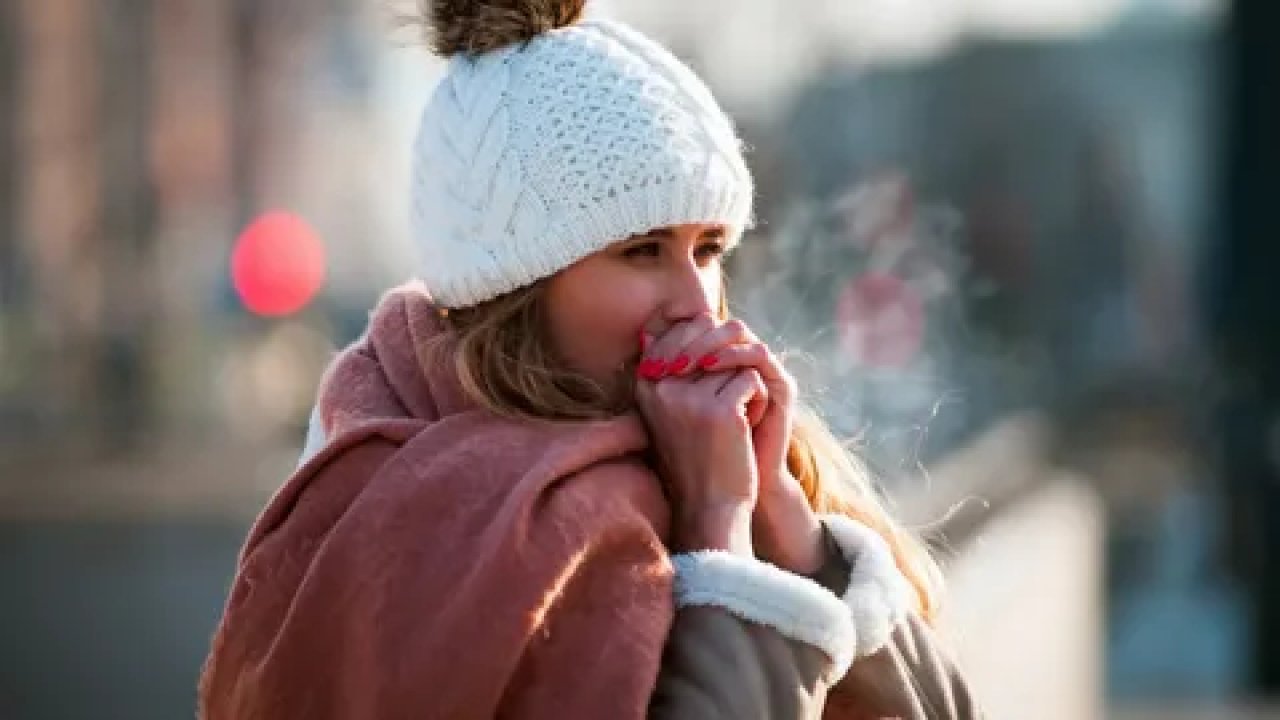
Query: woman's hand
x=785, y=529
x=702, y=439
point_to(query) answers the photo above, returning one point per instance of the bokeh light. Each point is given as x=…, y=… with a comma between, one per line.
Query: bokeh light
x=278, y=264
x=881, y=320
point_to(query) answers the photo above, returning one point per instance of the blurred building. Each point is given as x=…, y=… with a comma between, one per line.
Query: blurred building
x=137, y=138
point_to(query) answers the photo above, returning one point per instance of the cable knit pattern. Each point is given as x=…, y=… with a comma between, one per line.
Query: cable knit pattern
x=531, y=157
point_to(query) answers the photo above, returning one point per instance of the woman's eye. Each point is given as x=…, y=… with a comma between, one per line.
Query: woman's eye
x=710, y=250
x=649, y=249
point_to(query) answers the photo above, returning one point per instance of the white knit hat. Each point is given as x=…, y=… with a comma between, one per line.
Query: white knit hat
x=550, y=138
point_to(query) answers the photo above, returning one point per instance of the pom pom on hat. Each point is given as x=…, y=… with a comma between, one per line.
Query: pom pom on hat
x=472, y=27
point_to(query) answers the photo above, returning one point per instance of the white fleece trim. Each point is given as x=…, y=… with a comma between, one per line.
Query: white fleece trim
x=878, y=596
x=762, y=593
x=315, y=437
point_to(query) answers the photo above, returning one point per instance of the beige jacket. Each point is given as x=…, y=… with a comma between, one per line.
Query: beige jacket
x=718, y=665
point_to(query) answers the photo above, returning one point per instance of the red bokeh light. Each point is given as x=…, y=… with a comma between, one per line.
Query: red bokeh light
x=278, y=264
x=881, y=320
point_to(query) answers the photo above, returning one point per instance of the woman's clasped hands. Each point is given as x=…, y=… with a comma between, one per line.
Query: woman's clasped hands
x=720, y=409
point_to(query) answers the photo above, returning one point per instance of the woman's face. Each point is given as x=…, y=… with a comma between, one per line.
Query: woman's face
x=597, y=307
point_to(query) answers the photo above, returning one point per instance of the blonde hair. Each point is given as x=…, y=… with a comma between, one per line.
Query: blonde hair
x=501, y=355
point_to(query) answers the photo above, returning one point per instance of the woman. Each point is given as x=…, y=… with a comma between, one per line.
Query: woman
x=555, y=479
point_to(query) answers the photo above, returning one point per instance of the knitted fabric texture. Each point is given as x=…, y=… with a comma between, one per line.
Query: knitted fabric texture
x=531, y=157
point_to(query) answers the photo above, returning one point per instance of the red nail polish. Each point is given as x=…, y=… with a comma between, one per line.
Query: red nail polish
x=650, y=369
x=707, y=360
x=659, y=370
x=680, y=363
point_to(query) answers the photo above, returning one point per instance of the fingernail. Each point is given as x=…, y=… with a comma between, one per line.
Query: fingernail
x=707, y=360
x=649, y=369
x=679, y=364
x=652, y=369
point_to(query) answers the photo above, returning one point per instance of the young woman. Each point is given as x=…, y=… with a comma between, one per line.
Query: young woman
x=555, y=479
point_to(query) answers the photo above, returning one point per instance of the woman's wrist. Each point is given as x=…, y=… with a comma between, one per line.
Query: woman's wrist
x=721, y=526
x=787, y=531
x=803, y=550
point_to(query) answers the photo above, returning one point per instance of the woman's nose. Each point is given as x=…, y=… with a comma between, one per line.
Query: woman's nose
x=691, y=291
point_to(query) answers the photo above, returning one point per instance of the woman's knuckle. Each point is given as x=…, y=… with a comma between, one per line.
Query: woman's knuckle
x=666, y=393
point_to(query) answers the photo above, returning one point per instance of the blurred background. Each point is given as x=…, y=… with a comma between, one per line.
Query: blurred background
x=1020, y=251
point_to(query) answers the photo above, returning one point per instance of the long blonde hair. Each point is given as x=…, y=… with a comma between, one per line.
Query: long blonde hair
x=501, y=355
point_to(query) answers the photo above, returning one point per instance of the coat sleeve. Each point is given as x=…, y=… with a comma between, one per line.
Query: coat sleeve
x=723, y=660
x=718, y=665
x=901, y=670
x=910, y=678
x=749, y=641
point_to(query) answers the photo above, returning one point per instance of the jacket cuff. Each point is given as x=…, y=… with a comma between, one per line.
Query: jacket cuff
x=878, y=596
x=756, y=591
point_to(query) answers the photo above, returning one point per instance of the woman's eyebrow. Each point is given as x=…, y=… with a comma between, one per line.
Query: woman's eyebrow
x=708, y=234
x=660, y=233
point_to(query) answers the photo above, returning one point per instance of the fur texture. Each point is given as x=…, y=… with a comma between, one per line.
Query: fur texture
x=761, y=593
x=878, y=596
x=474, y=27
